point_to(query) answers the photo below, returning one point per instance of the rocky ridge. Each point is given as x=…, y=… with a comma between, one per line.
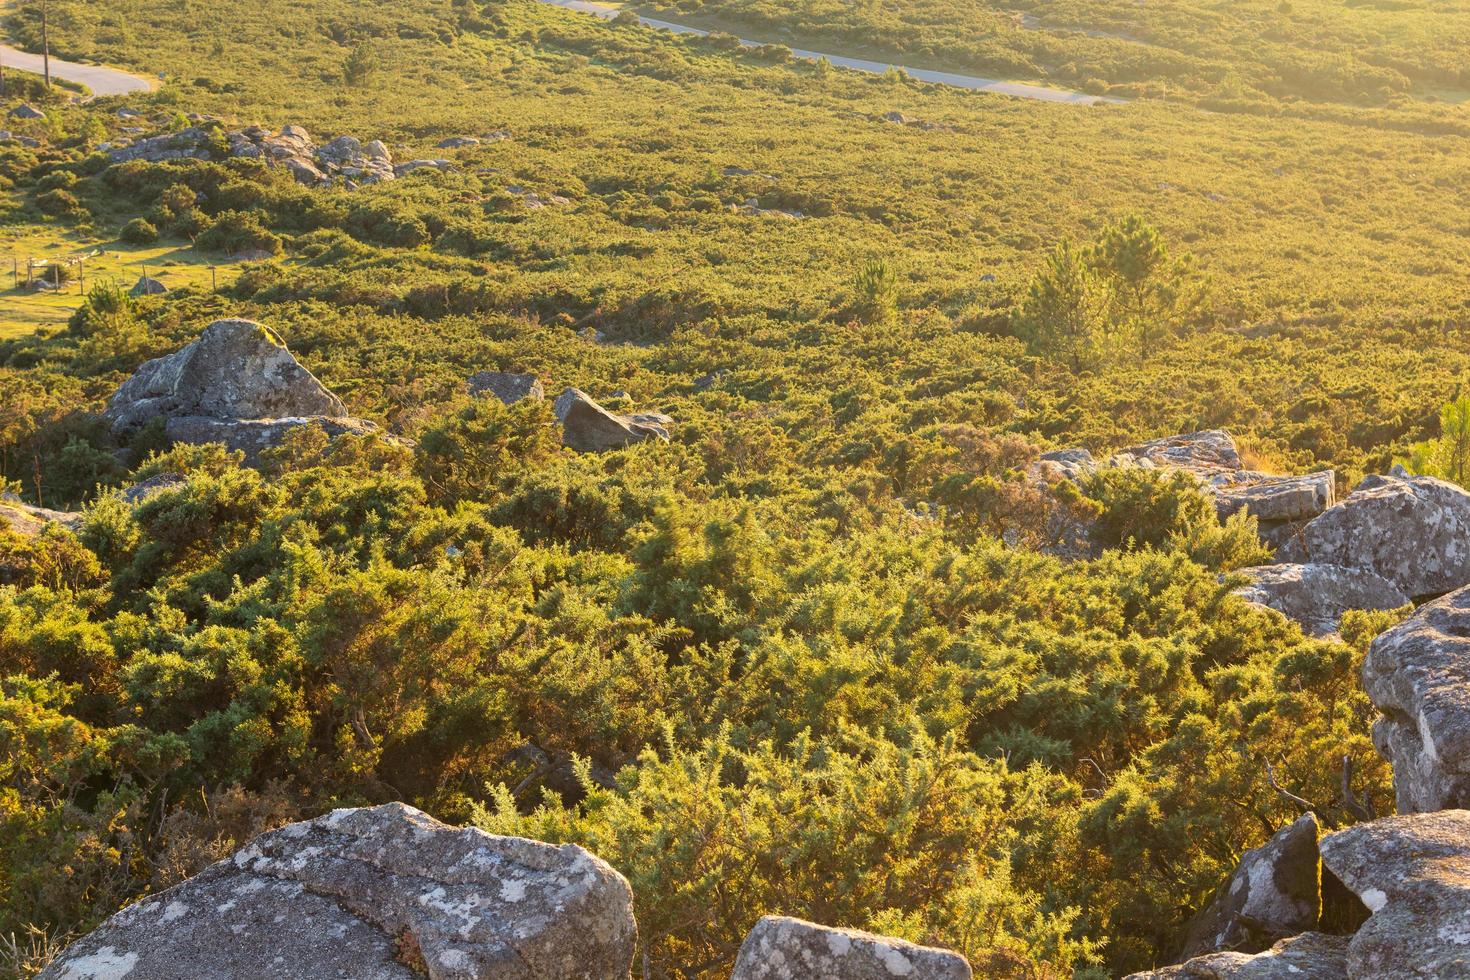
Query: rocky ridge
x=344, y=160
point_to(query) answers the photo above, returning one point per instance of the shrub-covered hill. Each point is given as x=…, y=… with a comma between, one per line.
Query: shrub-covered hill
x=805, y=657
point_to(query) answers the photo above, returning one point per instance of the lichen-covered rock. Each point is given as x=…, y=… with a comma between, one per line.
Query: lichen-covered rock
x=1316, y=596
x=508, y=386
x=779, y=948
x=1068, y=464
x=253, y=436
x=1276, y=499
x=1206, y=454
x=28, y=521
x=1414, y=531
x=1418, y=676
x=1413, y=874
x=587, y=427
x=1275, y=892
x=237, y=369
x=1310, y=956
x=385, y=893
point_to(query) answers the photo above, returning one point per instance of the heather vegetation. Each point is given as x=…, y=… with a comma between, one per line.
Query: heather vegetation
x=817, y=655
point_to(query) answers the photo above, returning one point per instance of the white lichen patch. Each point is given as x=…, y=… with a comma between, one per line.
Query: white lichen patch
x=105, y=964
x=838, y=944
x=175, y=910
x=895, y=963
x=1374, y=898
x=512, y=890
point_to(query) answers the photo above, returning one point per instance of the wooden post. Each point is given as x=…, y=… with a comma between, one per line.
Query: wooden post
x=82, y=276
x=46, y=39
x=213, y=279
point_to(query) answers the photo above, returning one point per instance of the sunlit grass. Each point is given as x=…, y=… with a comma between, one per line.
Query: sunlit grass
x=24, y=310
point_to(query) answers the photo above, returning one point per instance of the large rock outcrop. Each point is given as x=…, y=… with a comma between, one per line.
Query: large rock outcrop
x=1207, y=454
x=345, y=160
x=587, y=427
x=1316, y=596
x=1309, y=956
x=1418, y=676
x=236, y=369
x=1413, y=874
x=779, y=948
x=1275, y=893
x=1412, y=530
x=385, y=893
x=237, y=384
x=1282, y=505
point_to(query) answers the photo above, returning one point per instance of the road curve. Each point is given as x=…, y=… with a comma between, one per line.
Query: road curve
x=102, y=81
x=998, y=86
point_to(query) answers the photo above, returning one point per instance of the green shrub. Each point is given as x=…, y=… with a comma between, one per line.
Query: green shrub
x=139, y=231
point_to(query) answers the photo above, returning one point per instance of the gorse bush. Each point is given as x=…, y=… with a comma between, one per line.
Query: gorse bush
x=817, y=655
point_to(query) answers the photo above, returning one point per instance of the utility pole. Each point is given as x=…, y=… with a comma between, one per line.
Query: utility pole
x=46, y=39
x=2, y=78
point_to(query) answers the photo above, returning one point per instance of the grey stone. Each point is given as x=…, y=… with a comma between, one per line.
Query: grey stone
x=1273, y=894
x=458, y=142
x=1207, y=454
x=26, y=111
x=1418, y=676
x=254, y=436
x=1413, y=874
x=1066, y=464
x=28, y=521
x=1276, y=498
x=404, y=169
x=1310, y=956
x=367, y=894
x=587, y=427
x=508, y=386
x=1316, y=596
x=148, y=286
x=780, y=948
x=156, y=484
x=237, y=369
x=1414, y=531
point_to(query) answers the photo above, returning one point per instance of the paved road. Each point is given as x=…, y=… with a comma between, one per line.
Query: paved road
x=1018, y=89
x=102, y=81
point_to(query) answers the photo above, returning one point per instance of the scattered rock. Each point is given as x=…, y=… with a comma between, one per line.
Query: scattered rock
x=1316, y=596
x=508, y=386
x=1413, y=874
x=148, y=286
x=28, y=521
x=1418, y=675
x=1065, y=464
x=458, y=142
x=156, y=484
x=1273, y=894
x=404, y=169
x=26, y=111
x=347, y=894
x=1310, y=956
x=779, y=948
x=1413, y=531
x=587, y=427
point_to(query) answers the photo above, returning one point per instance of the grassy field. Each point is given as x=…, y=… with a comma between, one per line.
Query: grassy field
x=22, y=310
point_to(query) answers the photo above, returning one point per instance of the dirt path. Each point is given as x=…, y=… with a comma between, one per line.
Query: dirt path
x=1020, y=90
